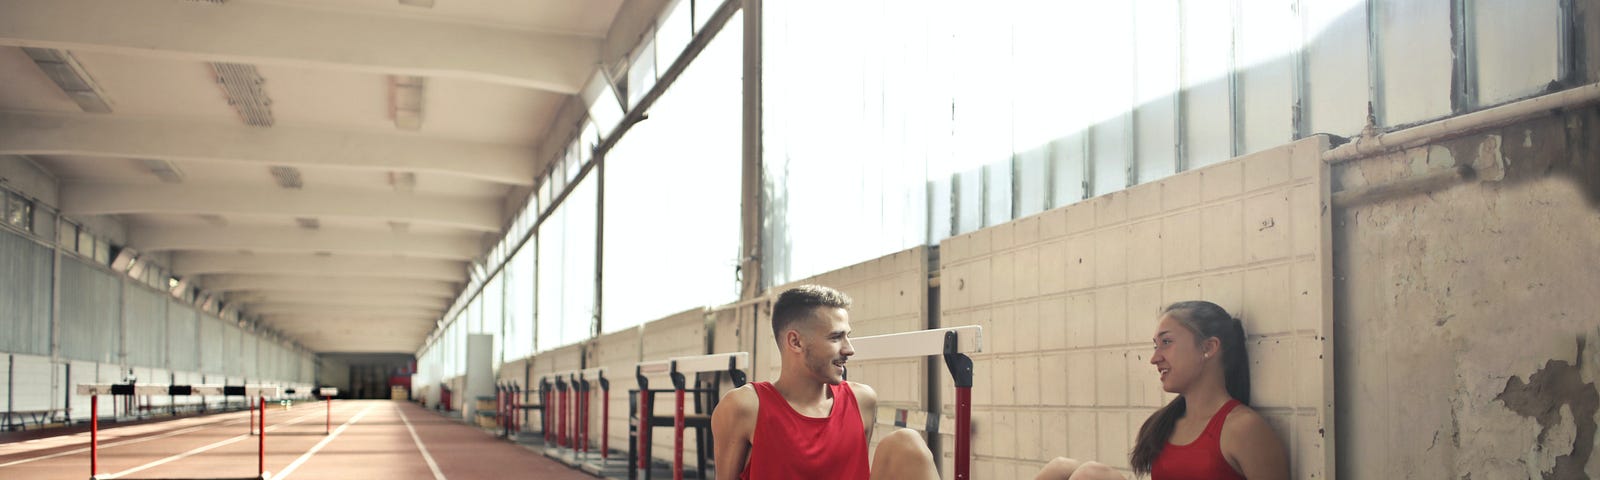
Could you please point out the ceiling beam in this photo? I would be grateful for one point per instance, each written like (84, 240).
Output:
(273, 34)
(344, 266)
(341, 285)
(273, 308)
(329, 298)
(291, 240)
(481, 215)
(33, 133)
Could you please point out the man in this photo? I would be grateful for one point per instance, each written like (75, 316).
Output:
(810, 423)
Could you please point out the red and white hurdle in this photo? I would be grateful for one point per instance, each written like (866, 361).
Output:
(258, 392)
(678, 369)
(951, 343)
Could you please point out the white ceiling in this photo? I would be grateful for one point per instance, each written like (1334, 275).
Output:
(399, 212)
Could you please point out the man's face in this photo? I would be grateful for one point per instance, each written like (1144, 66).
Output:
(825, 343)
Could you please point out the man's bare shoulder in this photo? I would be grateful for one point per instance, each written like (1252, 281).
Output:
(865, 394)
(738, 404)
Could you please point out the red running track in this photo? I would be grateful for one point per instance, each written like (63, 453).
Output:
(371, 440)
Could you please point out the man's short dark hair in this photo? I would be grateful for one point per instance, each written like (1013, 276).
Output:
(797, 304)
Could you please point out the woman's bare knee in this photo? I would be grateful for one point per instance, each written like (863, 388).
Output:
(1096, 471)
(1060, 468)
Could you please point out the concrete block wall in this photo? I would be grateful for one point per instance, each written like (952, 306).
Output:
(890, 295)
(1069, 300)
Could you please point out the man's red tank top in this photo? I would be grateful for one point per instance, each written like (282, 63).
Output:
(1200, 459)
(788, 445)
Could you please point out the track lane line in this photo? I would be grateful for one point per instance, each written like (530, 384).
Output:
(437, 475)
(318, 447)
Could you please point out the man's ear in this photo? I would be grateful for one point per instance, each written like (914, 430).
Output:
(791, 339)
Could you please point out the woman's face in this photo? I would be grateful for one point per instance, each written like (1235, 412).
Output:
(1178, 358)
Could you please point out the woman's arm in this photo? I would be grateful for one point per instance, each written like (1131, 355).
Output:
(1252, 447)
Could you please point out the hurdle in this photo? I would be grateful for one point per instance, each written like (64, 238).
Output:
(643, 419)
(951, 343)
(259, 392)
(562, 428)
(327, 397)
(603, 466)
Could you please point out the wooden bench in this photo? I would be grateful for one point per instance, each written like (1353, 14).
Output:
(19, 419)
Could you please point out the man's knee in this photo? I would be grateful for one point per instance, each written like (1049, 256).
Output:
(904, 441)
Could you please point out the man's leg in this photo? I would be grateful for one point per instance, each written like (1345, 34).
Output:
(903, 455)
(1063, 468)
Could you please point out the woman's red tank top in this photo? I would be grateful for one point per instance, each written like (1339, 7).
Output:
(788, 445)
(1200, 459)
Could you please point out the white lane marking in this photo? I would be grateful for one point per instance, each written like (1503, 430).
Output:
(118, 444)
(437, 475)
(315, 448)
(187, 454)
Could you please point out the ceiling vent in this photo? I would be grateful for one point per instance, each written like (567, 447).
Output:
(67, 73)
(162, 169)
(287, 177)
(308, 223)
(214, 219)
(404, 182)
(242, 84)
(399, 227)
(418, 3)
(405, 101)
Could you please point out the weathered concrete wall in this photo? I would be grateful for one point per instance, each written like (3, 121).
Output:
(1467, 316)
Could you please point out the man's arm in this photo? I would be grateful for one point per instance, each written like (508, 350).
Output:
(867, 401)
(732, 424)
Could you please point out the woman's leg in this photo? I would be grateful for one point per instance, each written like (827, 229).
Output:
(903, 455)
(1063, 468)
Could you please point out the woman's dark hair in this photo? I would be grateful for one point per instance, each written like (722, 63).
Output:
(1206, 320)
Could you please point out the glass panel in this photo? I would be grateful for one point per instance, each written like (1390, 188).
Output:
(1158, 80)
(641, 73)
(1414, 49)
(1206, 103)
(692, 232)
(1269, 36)
(1518, 47)
(1336, 66)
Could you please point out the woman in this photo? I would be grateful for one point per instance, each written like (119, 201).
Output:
(1209, 431)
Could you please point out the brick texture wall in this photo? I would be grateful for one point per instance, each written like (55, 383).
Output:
(1069, 299)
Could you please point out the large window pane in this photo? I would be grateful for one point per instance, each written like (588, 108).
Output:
(655, 225)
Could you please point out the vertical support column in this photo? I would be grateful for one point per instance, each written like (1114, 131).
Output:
(327, 425)
(750, 189)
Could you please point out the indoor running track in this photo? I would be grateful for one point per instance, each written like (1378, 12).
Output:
(371, 439)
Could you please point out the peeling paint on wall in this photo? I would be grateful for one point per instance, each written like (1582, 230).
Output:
(1565, 408)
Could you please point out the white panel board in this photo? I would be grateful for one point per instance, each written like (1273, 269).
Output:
(1337, 83)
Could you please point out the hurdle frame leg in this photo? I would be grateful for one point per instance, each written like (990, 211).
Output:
(261, 440)
(94, 436)
(678, 386)
(960, 366)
